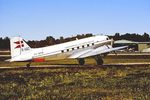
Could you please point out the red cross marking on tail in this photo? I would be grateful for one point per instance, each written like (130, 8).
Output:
(19, 44)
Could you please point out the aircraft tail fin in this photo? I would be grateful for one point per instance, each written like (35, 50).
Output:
(18, 46)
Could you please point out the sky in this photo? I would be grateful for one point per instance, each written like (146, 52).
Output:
(37, 19)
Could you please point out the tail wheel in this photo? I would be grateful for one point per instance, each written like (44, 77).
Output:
(99, 60)
(81, 61)
(27, 65)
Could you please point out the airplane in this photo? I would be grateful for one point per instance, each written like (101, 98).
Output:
(95, 47)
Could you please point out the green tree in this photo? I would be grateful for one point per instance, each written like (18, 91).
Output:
(50, 40)
(146, 37)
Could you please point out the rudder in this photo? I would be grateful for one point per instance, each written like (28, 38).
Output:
(18, 46)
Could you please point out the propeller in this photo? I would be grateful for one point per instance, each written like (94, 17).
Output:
(112, 43)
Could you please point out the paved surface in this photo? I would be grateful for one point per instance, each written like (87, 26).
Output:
(131, 53)
(76, 66)
(4, 55)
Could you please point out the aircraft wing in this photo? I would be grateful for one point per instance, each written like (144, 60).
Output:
(78, 54)
(97, 51)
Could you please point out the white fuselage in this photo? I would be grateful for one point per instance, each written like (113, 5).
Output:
(63, 50)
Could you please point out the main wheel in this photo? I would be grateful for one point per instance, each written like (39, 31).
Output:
(99, 60)
(81, 61)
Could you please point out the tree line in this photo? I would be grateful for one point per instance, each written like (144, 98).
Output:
(132, 37)
(5, 43)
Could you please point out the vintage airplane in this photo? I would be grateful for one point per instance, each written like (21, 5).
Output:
(96, 47)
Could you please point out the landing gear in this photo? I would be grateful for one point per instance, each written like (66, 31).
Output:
(28, 65)
(81, 61)
(99, 60)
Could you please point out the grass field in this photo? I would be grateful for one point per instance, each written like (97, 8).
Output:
(106, 83)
